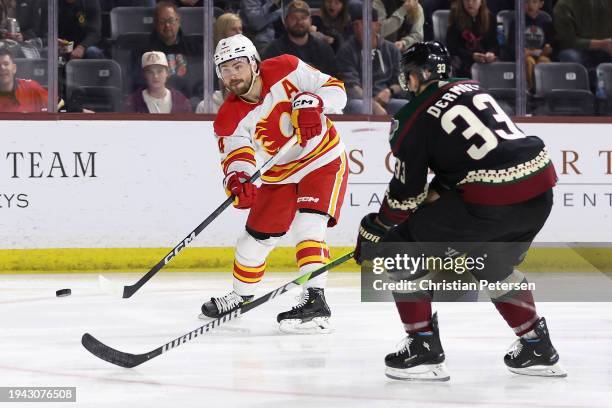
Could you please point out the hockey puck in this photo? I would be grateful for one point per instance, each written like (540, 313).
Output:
(63, 292)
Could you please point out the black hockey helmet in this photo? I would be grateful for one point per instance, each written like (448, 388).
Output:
(429, 60)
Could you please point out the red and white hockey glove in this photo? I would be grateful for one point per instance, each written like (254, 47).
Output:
(306, 116)
(237, 183)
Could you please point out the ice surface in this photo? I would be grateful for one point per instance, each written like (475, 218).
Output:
(248, 363)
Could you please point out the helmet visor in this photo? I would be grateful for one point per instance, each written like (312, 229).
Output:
(236, 67)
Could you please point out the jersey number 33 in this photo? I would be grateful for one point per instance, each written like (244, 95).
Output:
(477, 128)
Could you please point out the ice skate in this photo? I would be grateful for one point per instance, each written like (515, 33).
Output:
(218, 306)
(535, 357)
(311, 315)
(421, 357)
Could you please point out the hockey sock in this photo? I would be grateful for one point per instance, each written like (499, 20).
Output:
(246, 278)
(414, 311)
(518, 310)
(250, 260)
(311, 255)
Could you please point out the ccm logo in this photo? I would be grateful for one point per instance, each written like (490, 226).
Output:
(179, 247)
(307, 200)
(368, 235)
(305, 101)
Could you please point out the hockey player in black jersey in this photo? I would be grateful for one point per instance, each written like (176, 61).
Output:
(492, 184)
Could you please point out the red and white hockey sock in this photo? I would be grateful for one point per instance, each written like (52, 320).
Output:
(246, 278)
(311, 255)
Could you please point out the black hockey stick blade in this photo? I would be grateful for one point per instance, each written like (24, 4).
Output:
(129, 290)
(129, 360)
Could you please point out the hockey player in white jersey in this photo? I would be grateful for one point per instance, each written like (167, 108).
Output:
(269, 102)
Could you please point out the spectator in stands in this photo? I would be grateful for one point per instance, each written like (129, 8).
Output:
(334, 24)
(385, 69)
(79, 25)
(156, 97)
(584, 31)
(401, 21)
(259, 17)
(298, 41)
(26, 12)
(168, 38)
(18, 95)
(226, 25)
(538, 38)
(471, 35)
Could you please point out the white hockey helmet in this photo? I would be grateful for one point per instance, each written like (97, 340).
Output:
(233, 47)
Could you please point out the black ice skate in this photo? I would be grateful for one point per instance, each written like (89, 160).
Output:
(535, 356)
(311, 315)
(218, 306)
(421, 357)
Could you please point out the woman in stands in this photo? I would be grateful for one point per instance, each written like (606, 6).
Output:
(226, 25)
(471, 35)
(156, 97)
(334, 24)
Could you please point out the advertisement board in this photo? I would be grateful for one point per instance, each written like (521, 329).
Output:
(139, 184)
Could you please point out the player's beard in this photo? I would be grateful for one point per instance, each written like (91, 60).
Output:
(239, 87)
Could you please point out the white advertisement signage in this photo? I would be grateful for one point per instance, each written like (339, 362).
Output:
(95, 184)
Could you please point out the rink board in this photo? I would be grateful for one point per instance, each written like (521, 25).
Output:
(73, 260)
(106, 195)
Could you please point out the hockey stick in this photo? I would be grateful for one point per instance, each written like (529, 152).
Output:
(129, 290)
(129, 360)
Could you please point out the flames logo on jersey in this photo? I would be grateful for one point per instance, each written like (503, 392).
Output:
(273, 131)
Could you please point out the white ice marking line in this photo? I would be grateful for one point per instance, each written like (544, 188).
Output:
(301, 394)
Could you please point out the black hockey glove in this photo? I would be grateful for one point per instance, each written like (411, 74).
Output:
(369, 231)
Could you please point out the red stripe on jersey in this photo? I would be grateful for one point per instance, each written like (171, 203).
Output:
(246, 154)
(281, 172)
(509, 193)
(334, 82)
